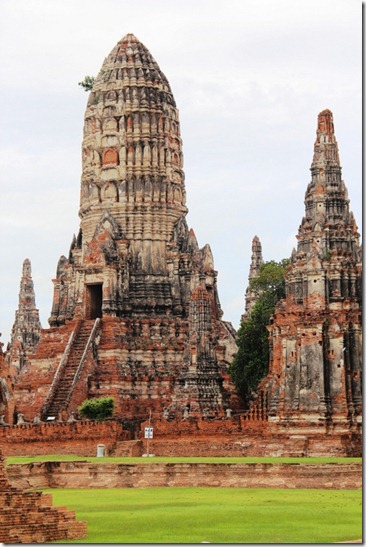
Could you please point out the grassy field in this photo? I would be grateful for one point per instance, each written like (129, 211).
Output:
(62, 457)
(220, 515)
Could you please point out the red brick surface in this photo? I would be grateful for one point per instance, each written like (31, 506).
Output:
(28, 517)
(192, 437)
(158, 475)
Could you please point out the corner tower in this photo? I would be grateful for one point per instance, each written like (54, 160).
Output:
(316, 335)
(255, 266)
(26, 329)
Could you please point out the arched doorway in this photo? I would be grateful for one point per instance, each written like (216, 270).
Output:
(94, 301)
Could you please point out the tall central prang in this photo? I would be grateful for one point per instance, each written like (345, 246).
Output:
(130, 257)
(135, 312)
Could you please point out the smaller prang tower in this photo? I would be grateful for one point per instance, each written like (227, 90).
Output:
(316, 334)
(255, 266)
(26, 329)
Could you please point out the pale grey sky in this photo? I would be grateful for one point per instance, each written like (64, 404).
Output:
(249, 79)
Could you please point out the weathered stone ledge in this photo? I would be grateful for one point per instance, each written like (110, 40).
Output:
(76, 474)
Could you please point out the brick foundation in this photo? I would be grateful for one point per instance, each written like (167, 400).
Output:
(192, 437)
(28, 517)
(157, 475)
(79, 438)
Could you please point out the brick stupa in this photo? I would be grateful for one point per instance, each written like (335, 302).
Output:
(254, 269)
(27, 326)
(315, 371)
(136, 313)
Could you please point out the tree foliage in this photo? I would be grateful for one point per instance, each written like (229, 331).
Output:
(251, 362)
(97, 409)
(87, 83)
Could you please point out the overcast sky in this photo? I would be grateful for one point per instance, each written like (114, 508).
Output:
(249, 79)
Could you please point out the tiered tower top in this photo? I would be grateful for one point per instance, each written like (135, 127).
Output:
(132, 142)
(328, 254)
(328, 224)
(134, 254)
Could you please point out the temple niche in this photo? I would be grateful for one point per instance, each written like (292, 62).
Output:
(315, 371)
(135, 312)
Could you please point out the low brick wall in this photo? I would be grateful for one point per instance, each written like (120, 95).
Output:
(80, 438)
(148, 475)
(194, 437)
(257, 444)
(238, 437)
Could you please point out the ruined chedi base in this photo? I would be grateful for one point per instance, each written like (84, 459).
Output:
(29, 517)
(136, 313)
(316, 336)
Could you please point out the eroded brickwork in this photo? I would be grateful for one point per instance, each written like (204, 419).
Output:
(27, 326)
(80, 438)
(6, 388)
(255, 264)
(315, 367)
(186, 475)
(136, 312)
(192, 436)
(29, 517)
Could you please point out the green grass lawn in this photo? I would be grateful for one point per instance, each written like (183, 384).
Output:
(215, 515)
(63, 457)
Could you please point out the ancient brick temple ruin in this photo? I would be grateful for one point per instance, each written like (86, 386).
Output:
(135, 313)
(29, 517)
(315, 336)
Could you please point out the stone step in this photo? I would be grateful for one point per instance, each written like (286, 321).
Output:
(77, 350)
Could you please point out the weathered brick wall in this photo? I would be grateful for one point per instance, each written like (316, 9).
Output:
(148, 475)
(79, 438)
(28, 517)
(238, 437)
(258, 446)
(193, 437)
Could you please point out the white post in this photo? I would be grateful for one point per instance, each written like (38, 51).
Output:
(148, 437)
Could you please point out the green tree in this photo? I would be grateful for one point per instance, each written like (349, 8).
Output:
(250, 364)
(97, 409)
(87, 83)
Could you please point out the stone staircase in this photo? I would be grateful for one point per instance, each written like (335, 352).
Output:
(62, 389)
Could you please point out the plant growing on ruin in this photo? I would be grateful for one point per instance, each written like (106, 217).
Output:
(251, 362)
(97, 409)
(87, 83)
